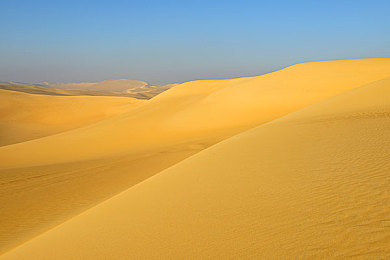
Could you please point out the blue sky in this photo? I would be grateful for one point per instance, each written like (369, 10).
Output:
(174, 41)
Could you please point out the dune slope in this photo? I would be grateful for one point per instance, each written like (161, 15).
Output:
(212, 109)
(34, 199)
(25, 116)
(313, 184)
(48, 180)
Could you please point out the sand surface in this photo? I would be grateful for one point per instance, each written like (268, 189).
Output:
(313, 183)
(183, 113)
(26, 116)
(135, 88)
(118, 85)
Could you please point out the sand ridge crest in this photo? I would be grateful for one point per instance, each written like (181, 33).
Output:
(185, 120)
(325, 200)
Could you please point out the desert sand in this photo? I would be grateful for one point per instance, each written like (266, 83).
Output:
(119, 85)
(302, 171)
(25, 116)
(134, 88)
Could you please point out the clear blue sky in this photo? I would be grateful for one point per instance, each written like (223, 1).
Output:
(175, 41)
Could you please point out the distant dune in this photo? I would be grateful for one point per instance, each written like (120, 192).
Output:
(136, 88)
(120, 87)
(314, 184)
(41, 90)
(183, 112)
(25, 116)
(310, 179)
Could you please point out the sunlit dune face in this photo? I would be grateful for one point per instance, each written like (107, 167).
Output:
(296, 166)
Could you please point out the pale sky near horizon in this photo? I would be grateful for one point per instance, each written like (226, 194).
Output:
(175, 41)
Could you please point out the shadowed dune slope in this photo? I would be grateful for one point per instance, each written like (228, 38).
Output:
(313, 184)
(34, 199)
(25, 116)
(213, 109)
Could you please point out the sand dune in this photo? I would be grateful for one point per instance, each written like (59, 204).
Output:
(48, 180)
(117, 85)
(25, 117)
(135, 88)
(183, 112)
(313, 184)
(34, 199)
(42, 90)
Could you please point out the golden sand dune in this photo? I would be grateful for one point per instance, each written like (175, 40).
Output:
(48, 180)
(25, 117)
(313, 184)
(203, 110)
(34, 199)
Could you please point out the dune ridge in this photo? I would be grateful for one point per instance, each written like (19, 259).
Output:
(183, 112)
(123, 150)
(279, 196)
(25, 116)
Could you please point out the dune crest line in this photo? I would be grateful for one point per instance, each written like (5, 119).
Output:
(60, 176)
